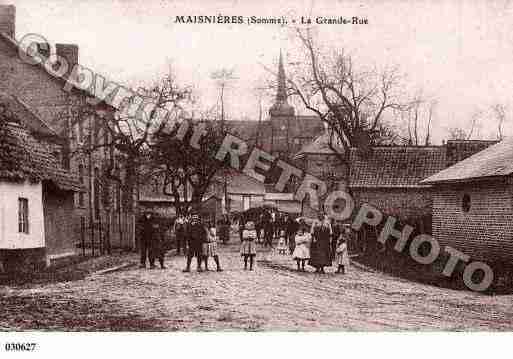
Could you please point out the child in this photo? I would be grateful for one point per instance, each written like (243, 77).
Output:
(342, 256)
(210, 248)
(282, 245)
(248, 247)
(302, 251)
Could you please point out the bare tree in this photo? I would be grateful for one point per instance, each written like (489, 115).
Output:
(417, 122)
(130, 132)
(499, 110)
(351, 101)
(183, 167)
(460, 133)
(223, 78)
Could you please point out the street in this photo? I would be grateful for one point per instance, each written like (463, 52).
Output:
(272, 297)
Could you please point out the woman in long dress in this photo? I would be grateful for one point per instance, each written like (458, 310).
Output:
(320, 249)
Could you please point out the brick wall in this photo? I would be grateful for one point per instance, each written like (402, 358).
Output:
(403, 203)
(45, 95)
(486, 230)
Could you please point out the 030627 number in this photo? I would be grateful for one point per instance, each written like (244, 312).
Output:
(20, 347)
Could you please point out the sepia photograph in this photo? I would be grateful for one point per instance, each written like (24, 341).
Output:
(238, 167)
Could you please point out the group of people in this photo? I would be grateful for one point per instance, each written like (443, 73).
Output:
(270, 224)
(194, 237)
(320, 245)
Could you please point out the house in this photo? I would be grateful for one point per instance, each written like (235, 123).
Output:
(473, 204)
(283, 202)
(323, 158)
(388, 179)
(103, 214)
(36, 192)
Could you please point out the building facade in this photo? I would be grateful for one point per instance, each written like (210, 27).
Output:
(101, 216)
(473, 204)
(36, 192)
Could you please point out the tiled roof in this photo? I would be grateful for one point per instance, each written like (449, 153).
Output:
(319, 146)
(24, 114)
(307, 127)
(395, 167)
(34, 161)
(49, 114)
(239, 183)
(495, 161)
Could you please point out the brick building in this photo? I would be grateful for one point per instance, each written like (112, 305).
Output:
(101, 215)
(473, 204)
(36, 192)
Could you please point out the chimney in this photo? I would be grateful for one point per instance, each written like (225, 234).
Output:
(68, 52)
(8, 20)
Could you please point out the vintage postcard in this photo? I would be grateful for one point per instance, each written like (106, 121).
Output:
(239, 166)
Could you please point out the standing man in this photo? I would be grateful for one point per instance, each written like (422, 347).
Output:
(258, 227)
(179, 229)
(156, 250)
(336, 231)
(145, 238)
(196, 236)
(291, 229)
(268, 229)
(224, 228)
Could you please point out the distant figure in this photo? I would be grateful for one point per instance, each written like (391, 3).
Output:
(302, 249)
(224, 229)
(210, 248)
(291, 227)
(248, 247)
(320, 249)
(146, 238)
(335, 235)
(157, 250)
(196, 236)
(242, 222)
(179, 229)
(258, 227)
(282, 247)
(342, 255)
(268, 229)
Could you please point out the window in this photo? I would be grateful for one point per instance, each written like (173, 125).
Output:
(96, 189)
(23, 218)
(81, 178)
(80, 130)
(246, 202)
(465, 202)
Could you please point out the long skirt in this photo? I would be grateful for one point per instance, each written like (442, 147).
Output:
(320, 255)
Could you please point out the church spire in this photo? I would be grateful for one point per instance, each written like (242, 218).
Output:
(281, 93)
(281, 107)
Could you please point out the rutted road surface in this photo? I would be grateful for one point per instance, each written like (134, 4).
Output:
(272, 297)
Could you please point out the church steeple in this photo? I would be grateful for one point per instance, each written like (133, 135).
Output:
(281, 107)
(281, 93)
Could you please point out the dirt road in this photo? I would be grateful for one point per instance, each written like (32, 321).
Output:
(272, 297)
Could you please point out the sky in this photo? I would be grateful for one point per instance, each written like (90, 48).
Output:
(460, 53)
